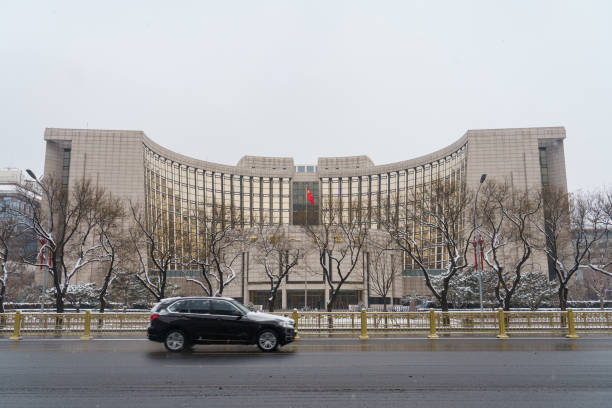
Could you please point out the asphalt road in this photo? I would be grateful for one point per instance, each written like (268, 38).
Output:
(339, 373)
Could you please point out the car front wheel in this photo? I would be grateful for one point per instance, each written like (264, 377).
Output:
(267, 340)
(176, 341)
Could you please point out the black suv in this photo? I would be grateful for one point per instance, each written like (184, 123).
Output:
(181, 322)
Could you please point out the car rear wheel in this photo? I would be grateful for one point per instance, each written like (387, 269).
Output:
(176, 341)
(267, 340)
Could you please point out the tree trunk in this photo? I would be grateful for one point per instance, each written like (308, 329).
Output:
(59, 295)
(563, 297)
(444, 302)
(385, 303)
(59, 302)
(330, 303)
(103, 291)
(102, 303)
(271, 301)
(601, 300)
(2, 294)
(507, 303)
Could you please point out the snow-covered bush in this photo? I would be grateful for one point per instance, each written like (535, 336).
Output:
(534, 289)
(83, 293)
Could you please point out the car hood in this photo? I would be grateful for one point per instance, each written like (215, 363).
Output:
(259, 317)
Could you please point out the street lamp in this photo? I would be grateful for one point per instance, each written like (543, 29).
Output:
(483, 177)
(44, 280)
(31, 174)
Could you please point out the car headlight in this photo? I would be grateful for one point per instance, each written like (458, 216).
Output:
(288, 323)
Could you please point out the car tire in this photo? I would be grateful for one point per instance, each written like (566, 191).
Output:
(176, 341)
(267, 340)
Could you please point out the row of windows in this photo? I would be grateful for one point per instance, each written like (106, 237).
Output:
(184, 197)
(14, 206)
(543, 164)
(66, 167)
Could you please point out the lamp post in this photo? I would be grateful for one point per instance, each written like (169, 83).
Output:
(479, 239)
(43, 242)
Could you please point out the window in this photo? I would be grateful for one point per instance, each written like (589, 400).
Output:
(221, 307)
(304, 213)
(66, 167)
(543, 165)
(179, 307)
(201, 306)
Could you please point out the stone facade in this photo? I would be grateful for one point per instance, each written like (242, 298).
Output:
(132, 166)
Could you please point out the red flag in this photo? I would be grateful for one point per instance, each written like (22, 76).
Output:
(309, 197)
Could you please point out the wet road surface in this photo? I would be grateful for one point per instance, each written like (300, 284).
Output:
(483, 372)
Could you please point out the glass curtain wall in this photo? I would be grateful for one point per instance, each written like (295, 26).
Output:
(181, 197)
(303, 212)
(397, 192)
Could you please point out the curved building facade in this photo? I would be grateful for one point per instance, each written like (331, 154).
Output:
(182, 191)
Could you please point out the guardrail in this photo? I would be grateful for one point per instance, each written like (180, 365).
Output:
(432, 323)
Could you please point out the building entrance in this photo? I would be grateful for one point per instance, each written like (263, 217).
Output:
(315, 299)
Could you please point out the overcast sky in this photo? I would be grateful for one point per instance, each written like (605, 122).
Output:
(217, 80)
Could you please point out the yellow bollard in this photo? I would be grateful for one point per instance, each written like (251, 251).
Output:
(17, 328)
(87, 333)
(570, 325)
(502, 324)
(295, 319)
(432, 325)
(364, 325)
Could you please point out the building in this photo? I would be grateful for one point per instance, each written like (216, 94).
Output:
(13, 205)
(180, 189)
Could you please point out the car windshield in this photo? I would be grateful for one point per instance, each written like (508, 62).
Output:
(240, 306)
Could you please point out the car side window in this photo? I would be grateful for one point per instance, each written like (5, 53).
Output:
(221, 307)
(200, 306)
(179, 307)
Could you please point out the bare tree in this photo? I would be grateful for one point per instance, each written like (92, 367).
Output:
(65, 223)
(387, 265)
(115, 248)
(597, 283)
(8, 235)
(432, 220)
(221, 241)
(572, 225)
(154, 251)
(506, 217)
(278, 255)
(598, 276)
(599, 258)
(339, 239)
